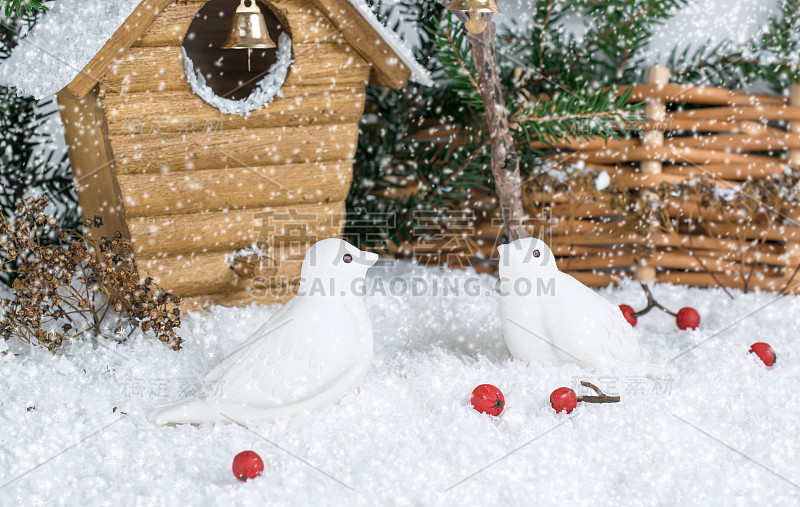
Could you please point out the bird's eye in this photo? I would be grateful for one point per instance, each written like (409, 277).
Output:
(347, 258)
(537, 253)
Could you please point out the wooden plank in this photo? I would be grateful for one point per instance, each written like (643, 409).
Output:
(235, 188)
(159, 69)
(662, 153)
(613, 240)
(164, 153)
(730, 171)
(628, 178)
(588, 227)
(738, 143)
(183, 111)
(141, 18)
(574, 143)
(388, 69)
(583, 210)
(159, 236)
(705, 95)
(755, 231)
(769, 283)
(305, 22)
(758, 113)
(92, 162)
(678, 260)
(170, 27)
(701, 241)
(258, 295)
(203, 274)
(596, 262)
(582, 251)
(596, 279)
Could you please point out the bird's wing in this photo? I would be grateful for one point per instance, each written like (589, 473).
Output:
(275, 321)
(291, 362)
(588, 327)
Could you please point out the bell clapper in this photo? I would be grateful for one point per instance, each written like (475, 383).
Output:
(249, 52)
(475, 24)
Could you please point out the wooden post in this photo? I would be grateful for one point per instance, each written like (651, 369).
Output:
(793, 156)
(657, 111)
(86, 134)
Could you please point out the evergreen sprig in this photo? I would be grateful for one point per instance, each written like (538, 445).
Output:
(577, 115)
(454, 55)
(772, 56)
(22, 7)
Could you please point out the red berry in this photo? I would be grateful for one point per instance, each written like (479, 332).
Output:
(564, 399)
(487, 399)
(247, 465)
(628, 312)
(764, 352)
(687, 318)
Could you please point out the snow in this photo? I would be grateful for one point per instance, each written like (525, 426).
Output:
(253, 249)
(408, 435)
(62, 43)
(65, 40)
(419, 74)
(266, 89)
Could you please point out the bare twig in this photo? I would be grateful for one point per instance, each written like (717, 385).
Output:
(651, 303)
(505, 161)
(601, 396)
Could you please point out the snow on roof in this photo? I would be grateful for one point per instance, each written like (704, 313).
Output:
(66, 39)
(419, 74)
(62, 43)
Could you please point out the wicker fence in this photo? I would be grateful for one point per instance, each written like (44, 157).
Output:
(708, 194)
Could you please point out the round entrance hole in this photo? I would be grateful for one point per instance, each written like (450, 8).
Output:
(225, 70)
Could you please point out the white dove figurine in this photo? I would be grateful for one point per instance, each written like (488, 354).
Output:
(305, 357)
(549, 316)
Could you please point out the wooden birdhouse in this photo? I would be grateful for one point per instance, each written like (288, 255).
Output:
(196, 151)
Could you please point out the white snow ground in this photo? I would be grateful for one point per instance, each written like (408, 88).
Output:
(722, 432)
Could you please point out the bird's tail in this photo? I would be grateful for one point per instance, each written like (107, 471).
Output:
(192, 411)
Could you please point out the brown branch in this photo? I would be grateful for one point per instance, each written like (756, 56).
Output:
(601, 396)
(505, 161)
(651, 303)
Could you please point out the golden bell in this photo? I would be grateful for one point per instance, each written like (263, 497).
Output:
(475, 24)
(249, 29)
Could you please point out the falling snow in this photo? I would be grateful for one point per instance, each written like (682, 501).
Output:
(62, 43)
(408, 434)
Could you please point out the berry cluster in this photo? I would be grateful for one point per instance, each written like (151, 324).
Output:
(685, 318)
(488, 399)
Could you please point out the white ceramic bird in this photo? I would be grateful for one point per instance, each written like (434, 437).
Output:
(549, 316)
(305, 357)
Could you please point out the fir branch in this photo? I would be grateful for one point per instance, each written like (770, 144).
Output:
(578, 115)
(22, 7)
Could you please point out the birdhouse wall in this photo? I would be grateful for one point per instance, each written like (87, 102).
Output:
(193, 181)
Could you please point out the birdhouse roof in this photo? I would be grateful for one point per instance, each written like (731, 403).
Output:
(73, 45)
